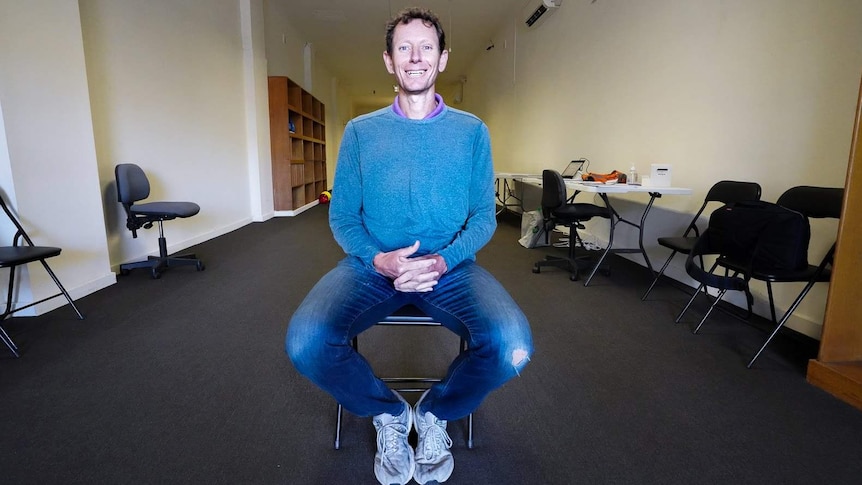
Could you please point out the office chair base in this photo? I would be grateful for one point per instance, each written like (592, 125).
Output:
(570, 265)
(557, 262)
(159, 264)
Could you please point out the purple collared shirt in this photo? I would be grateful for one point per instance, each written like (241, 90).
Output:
(432, 114)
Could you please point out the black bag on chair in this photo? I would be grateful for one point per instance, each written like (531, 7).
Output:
(760, 234)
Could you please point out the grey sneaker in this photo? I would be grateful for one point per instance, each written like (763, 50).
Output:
(394, 461)
(434, 462)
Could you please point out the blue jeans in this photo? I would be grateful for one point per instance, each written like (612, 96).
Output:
(353, 297)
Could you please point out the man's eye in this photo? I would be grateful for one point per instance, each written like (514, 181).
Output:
(428, 47)
(404, 48)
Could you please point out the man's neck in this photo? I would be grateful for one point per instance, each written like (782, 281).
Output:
(417, 106)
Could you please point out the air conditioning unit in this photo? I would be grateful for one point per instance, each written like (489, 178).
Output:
(537, 11)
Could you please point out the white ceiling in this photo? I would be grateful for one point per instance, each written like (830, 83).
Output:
(348, 37)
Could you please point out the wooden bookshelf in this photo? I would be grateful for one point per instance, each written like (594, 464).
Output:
(838, 367)
(298, 138)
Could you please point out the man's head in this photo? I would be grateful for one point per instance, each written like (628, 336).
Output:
(415, 51)
(405, 16)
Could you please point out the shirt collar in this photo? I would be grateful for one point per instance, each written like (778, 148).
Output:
(437, 110)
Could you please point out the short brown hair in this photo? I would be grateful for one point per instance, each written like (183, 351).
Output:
(405, 16)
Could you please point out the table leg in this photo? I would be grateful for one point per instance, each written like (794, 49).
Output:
(616, 218)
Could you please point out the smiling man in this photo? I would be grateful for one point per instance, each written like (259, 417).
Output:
(413, 202)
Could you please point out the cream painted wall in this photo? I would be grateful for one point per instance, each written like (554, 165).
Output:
(761, 91)
(167, 90)
(256, 109)
(50, 170)
(285, 56)
(178, 87)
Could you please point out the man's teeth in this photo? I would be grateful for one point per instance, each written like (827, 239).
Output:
(415, 73)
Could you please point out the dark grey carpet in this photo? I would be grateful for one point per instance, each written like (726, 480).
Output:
(184, 380)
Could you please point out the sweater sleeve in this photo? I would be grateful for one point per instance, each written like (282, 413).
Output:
(481, 219)
(345, 210)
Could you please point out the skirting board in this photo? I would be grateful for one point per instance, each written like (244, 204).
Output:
(296, 212)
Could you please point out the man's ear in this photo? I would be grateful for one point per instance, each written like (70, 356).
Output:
(444, 59)
(388, 61)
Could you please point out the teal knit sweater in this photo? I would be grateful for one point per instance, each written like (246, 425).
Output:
(400, 180)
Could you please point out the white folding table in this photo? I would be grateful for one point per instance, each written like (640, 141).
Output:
(603, 190)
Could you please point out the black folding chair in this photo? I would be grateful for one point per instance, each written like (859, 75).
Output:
(812, 202)
(19, 254)
(725, 192)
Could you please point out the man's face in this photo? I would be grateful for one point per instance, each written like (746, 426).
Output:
(416, 58)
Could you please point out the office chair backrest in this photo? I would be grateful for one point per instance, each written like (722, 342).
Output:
(132, 184)
(818, 202)
(553, 190)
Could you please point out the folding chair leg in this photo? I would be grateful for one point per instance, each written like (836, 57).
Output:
(784, 319)
(687, 305)
(8, 341)
(62, 289)
(711, 307)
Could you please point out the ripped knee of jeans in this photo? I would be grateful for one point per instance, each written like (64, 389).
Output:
(520, 358)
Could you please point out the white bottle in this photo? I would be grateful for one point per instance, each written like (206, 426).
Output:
(633, 176)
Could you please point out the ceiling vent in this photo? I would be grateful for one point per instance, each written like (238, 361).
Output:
(537, 11)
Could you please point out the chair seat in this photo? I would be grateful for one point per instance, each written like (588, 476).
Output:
(781, 276)
(15, 255)
(171, 209)
(682, 245)
(581, 212)
(408, 315)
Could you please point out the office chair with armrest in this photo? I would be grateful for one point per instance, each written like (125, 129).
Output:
(725, 192)
(812, 202)
(557, 210)
(21, 253)
(133, 186)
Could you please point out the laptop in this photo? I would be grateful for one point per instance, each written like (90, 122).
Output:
(573, 170)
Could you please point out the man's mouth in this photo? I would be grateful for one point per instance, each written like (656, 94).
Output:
(415, 73)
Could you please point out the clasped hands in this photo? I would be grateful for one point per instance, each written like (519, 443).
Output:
(410, 274)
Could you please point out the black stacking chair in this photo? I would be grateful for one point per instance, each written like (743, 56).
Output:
(406, 316)
(557, 210)
(133, 186)
(724, 192)
(812, 202)
(21, 252)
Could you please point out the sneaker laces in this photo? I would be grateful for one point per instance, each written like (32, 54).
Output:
(436, 439)
(391, 437)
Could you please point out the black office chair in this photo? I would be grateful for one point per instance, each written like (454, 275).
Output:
(812, 202)
(557, 210)
(19, 254)
(725, 192)
(133, 186)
